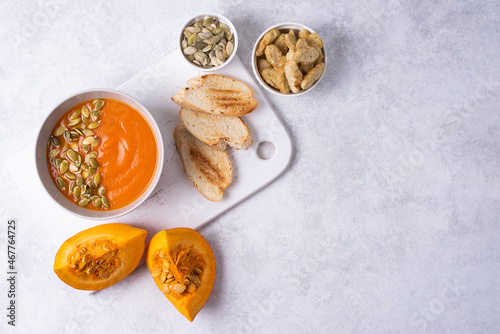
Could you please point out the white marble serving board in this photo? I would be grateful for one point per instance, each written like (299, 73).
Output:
(174, 202)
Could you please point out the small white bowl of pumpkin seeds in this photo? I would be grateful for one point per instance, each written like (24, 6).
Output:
(208, 42)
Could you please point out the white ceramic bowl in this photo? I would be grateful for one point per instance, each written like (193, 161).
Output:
(41, 153)
(221, 19)
(283, 27)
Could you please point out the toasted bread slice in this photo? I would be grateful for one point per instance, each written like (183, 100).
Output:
(217, 94)
(217, 131)
(209, 170)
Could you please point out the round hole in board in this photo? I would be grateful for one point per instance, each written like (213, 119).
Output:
(266, 150)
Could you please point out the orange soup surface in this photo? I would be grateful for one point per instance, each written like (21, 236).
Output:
(104, 161)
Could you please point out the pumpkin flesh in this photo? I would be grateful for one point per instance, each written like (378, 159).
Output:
(99, 257)
(183, 267)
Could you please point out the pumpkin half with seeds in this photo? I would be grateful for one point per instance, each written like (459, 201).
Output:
(99, 257)
(183, 267)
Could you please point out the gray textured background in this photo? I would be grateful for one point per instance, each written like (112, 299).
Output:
(386, 221)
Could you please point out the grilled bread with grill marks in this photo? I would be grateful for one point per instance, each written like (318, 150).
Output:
(217, 131)
(209, 170)
(218, 95)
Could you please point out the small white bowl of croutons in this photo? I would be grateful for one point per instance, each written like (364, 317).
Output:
(289, 59)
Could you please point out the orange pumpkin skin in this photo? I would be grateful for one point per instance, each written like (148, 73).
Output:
(187, 303)
(118, 248)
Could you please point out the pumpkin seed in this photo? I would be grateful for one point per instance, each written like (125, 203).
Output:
(63, 167)
(101, 191)
(184, 44)
(74, 169)
(91, 170)
(94, 125)
(72, 155)
(189, 50)
(74, 122)
(74, 114)
(72, 186)
(85, 167)
(85, 120)
(69, 176)
(83, 202)
(85, 112)
(95, 142)
(61, 183)
(80, 133)
(213, 40)
(94, 197)
(216, 31)
(87, 132)
(87, 140)
(86, 148)
(193, 30)
(91, 155)
(54, 153)
(98, 203)
(208, 21)
(98, 104)
(58, 162)
(93, 162)
(90, 184)
(229, 48)
(205, 35)
(191, 40)
(77, 192)
(55, 141)
(97, 178)
(95, 115)
(59, 131)
(105, 201)
(79, 180)
(177, 288)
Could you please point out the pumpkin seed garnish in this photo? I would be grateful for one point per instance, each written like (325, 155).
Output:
(93, 162)
(72, 155)
(85, 112)
(69, 176)
(94, 125)
(97, 178)
(87, 132)
(63, 167)
(83, 202)
(55, 141)
(91, 170)
(86, 148)
(59, 131)
(95, 142)
(98, 104)
(60, 183)
(74, 122)
(74, 169)
(95, 115)
(98, 203)
(101, 191)
(54, 153)
(87, 140)
(79, 180)
(74, 114)
(77, 191)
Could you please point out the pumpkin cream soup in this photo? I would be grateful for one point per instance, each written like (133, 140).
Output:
(102, 154)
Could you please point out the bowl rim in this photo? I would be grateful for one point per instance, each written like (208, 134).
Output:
(41, 162)
(222, 19)
(280, 26)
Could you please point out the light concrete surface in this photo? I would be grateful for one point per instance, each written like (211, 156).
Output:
(385, 222)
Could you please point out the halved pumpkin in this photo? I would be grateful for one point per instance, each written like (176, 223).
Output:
(99, 257)
(183, 267)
